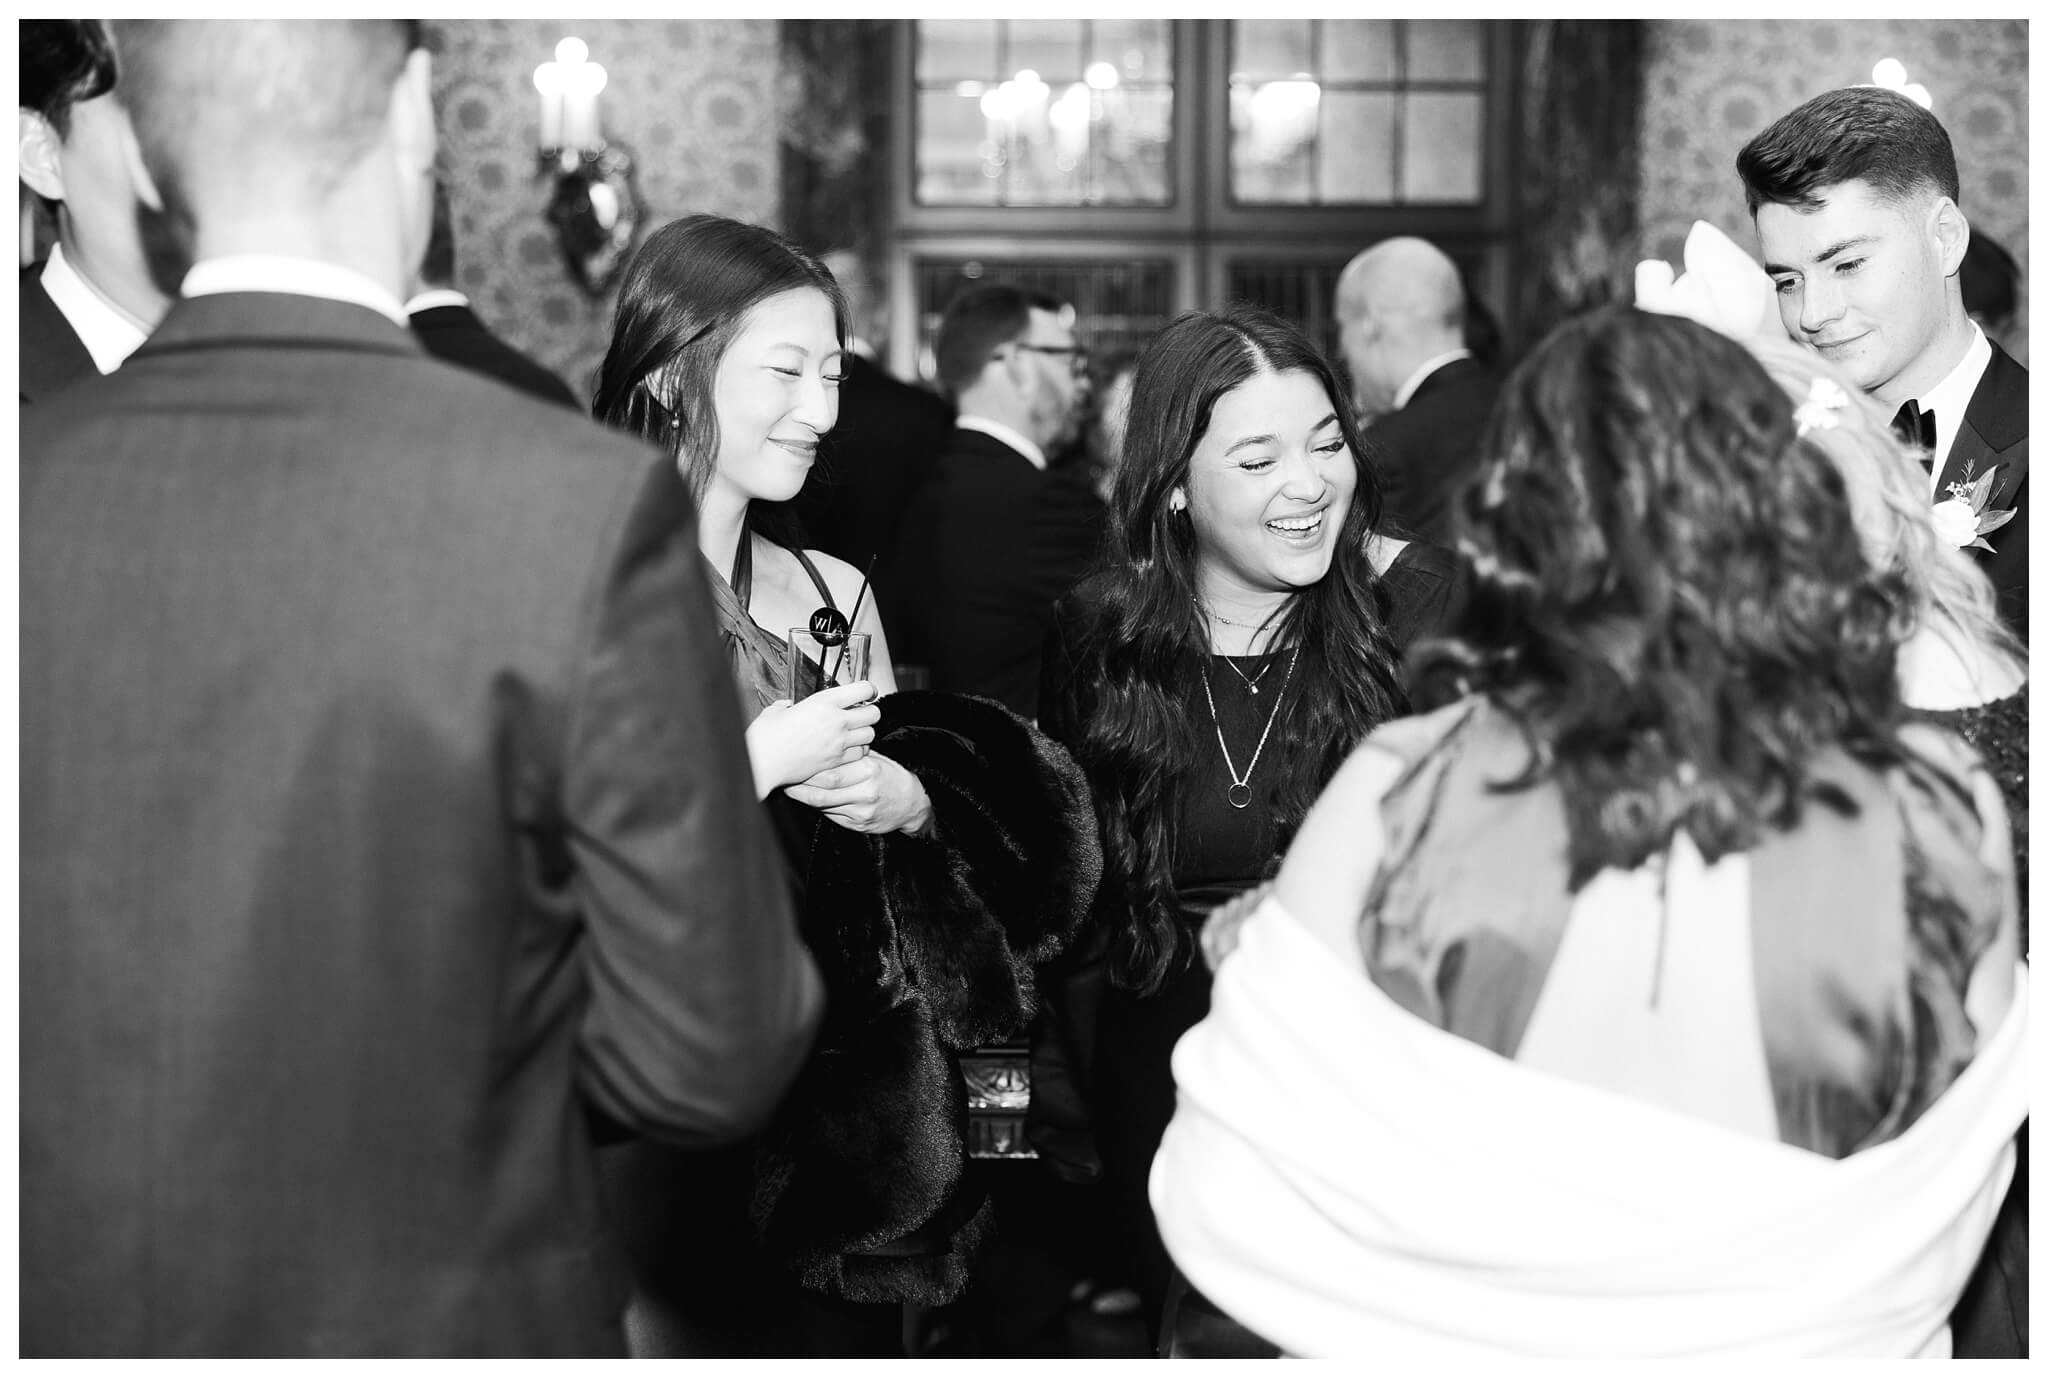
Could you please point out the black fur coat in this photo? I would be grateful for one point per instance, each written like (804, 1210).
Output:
(927, 946)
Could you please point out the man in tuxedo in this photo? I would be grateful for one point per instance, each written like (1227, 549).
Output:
(1855, 198)
(87, 306)
(1401, 314)
(981, 562)
(882, 450)
(384, 799)
(449, 329)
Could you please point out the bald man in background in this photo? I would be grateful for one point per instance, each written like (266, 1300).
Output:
(1401, 312)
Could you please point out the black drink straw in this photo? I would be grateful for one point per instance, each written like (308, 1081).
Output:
(868, 574)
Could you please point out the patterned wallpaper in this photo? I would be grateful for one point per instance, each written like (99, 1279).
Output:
(1712, 84)
(693, 100)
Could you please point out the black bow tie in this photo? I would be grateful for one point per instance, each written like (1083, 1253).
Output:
(1916, 427)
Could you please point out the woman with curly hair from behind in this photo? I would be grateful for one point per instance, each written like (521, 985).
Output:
(1657, 991)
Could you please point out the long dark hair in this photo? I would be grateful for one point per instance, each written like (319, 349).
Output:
(1668, 593)
(1137, 736)
(685, 295)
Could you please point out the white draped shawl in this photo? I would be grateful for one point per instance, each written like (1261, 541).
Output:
(1350, 1181)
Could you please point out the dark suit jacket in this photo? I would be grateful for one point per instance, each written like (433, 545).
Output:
(454, 333)
(1424, 451)
(382, 786)
(986, 552)
(1990, 1319)
(1994, 431)
(52, 355)
(881, 451)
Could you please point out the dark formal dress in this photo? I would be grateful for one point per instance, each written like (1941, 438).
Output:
(1424, 451)
(1122, 1040)
(52, 355)
(880, 452)
(1990, 1321)
(1994, 432)
(383, 802)
(983, 559)
(456, 334)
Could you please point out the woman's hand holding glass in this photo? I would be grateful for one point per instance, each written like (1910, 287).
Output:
(869, 795)
(790, 743)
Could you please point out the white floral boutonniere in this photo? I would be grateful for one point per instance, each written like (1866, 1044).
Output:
(1963, 519)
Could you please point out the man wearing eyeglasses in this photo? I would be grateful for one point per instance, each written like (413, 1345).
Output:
(978, 565)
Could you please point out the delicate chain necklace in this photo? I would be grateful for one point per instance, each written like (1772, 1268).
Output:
(1240, 792)
(1216, 616)
(1251, 682)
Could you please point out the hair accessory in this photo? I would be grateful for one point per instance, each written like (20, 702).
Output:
(1825, 400)
(1722, 288)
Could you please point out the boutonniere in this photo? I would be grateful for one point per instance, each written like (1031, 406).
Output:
(1963, 517)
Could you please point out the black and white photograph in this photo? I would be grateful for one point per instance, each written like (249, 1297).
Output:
(965, 688)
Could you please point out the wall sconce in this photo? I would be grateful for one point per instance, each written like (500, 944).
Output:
(593, 209)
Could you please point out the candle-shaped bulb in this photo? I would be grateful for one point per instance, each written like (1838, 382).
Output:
(547, 79)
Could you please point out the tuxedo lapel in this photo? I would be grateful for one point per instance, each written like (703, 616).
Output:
(1994, 435)
(1994, 432)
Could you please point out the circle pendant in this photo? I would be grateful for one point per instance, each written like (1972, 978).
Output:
(1239, 796)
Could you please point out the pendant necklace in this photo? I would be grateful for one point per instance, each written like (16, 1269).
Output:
(1251, 682)
(1240, 792)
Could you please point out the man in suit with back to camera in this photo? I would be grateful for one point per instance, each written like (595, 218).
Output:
(1855, 198)
(1401, 314)
(87, 306)
(449, 328)
(981, 561)
(384, 796)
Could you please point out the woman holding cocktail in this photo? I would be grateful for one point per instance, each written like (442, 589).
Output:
(938, 845)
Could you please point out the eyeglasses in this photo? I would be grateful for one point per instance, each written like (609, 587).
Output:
(1077, 355)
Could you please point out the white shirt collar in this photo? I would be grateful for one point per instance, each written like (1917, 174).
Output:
(108, 333)
(298, 277)
(433, 297)
(1950, 398)
(968, 421)
(1406, 392)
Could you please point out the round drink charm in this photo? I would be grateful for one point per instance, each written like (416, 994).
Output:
(829, 626)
